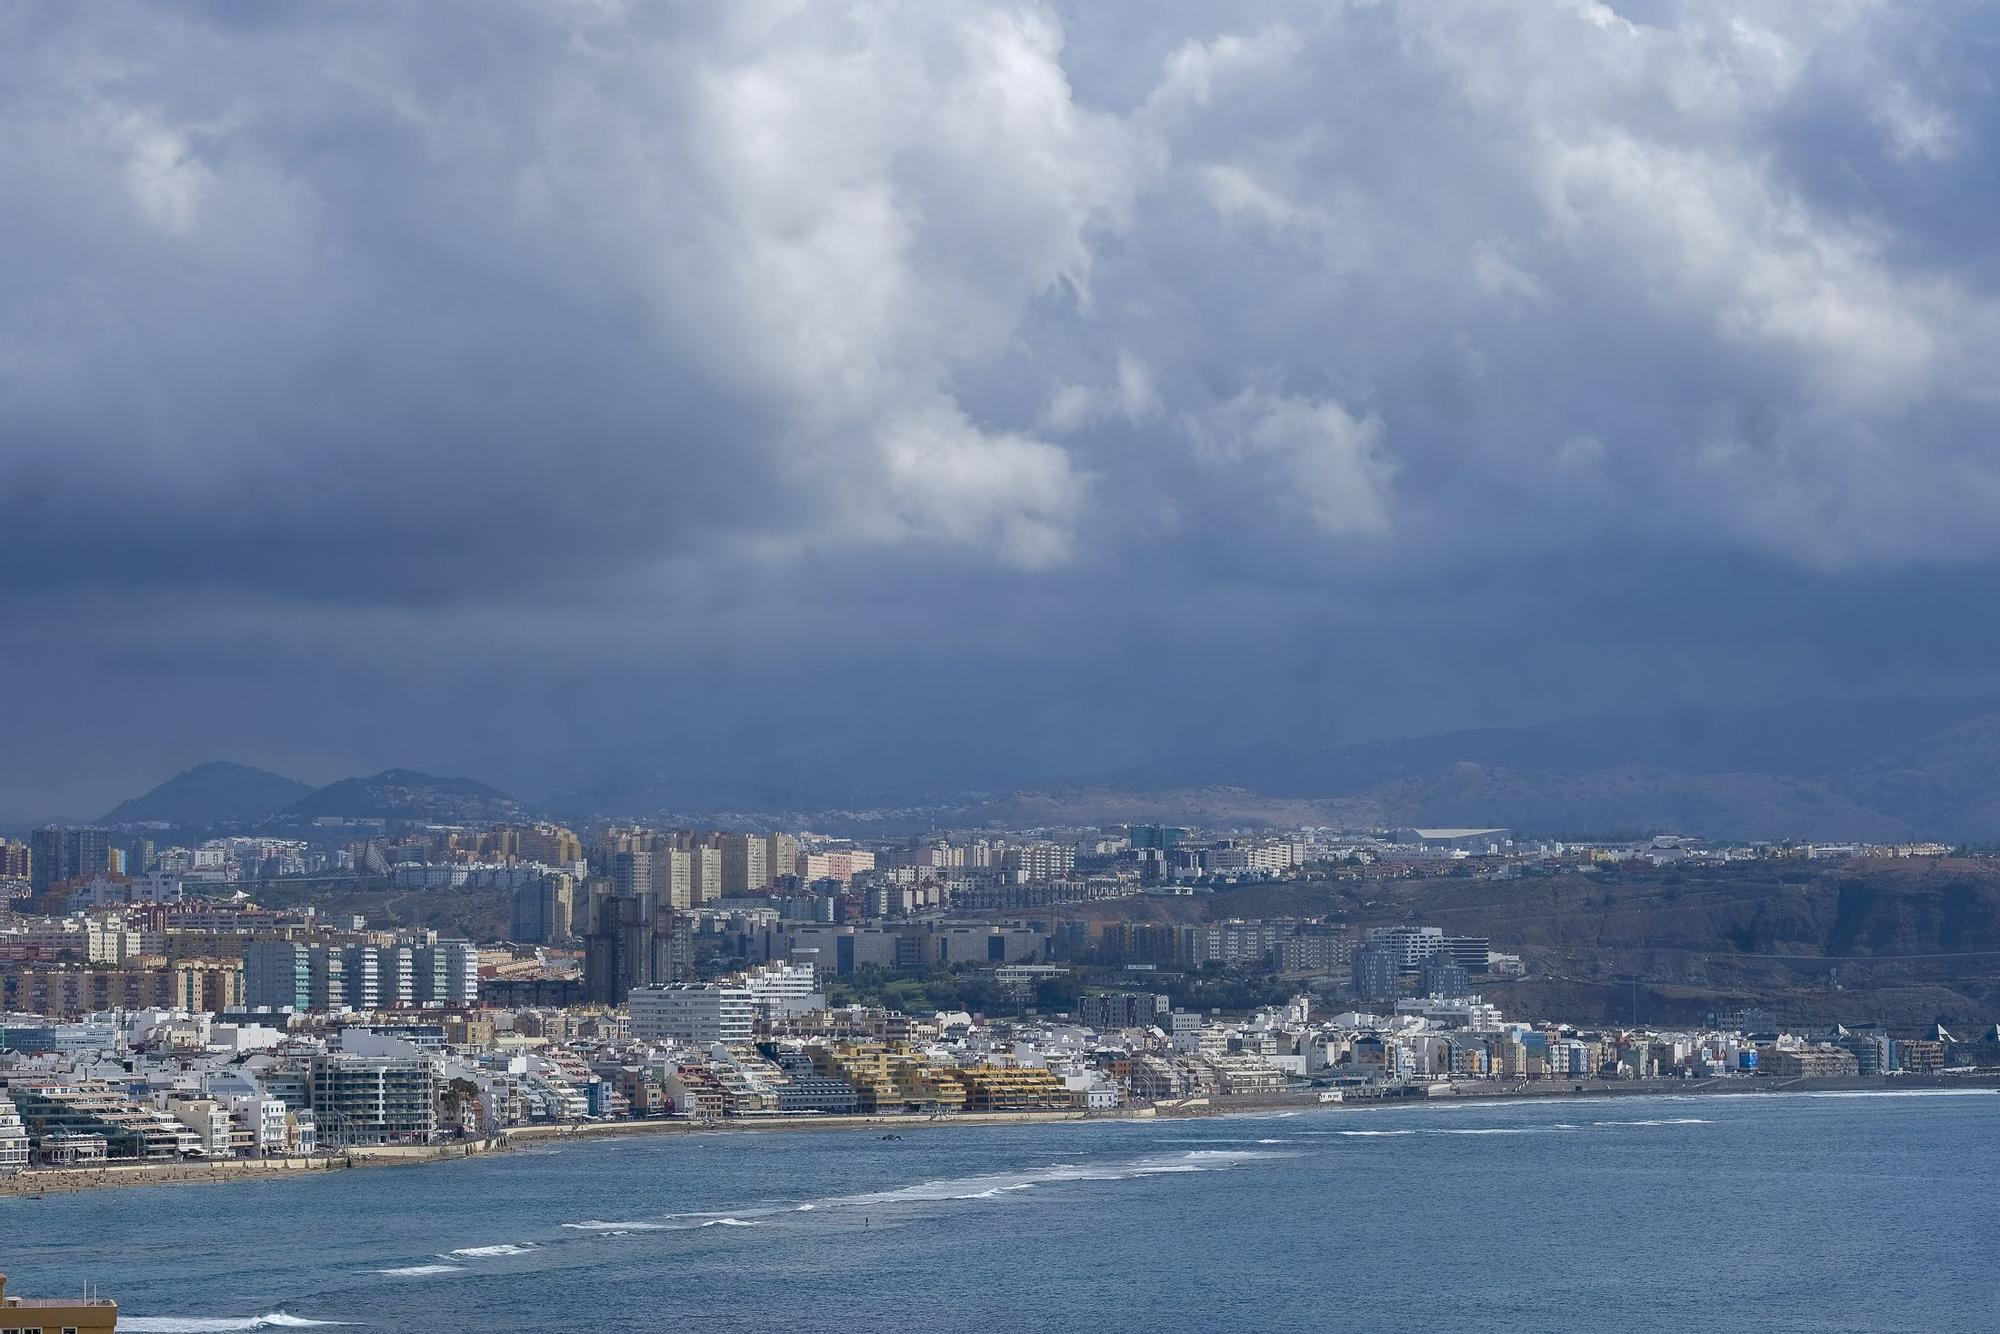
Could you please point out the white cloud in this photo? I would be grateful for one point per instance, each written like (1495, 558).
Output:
(1132, 397)
(1236, 191)
(1499, 276)
(1010, 495)
(1312, 458)
(166, 180)
(890, 277)
(1198, 70)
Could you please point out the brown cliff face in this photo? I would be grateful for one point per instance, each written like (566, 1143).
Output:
(1905, 942)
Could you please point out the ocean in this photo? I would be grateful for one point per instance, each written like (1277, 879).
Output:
(1768, 1212)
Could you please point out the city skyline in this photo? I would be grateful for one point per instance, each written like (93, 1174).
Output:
(1309, 663)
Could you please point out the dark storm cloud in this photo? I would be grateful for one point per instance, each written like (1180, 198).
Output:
(532, 387)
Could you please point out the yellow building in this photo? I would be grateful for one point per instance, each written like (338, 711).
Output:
(39, 1316)
(890, 1078)
(928, 1087)
(994, 1088)
(866, 1066)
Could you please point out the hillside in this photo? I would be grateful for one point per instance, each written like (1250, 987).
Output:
(405, 794)
(1805, 740)
(1902, 942)
(1878, 770)
(211, 793)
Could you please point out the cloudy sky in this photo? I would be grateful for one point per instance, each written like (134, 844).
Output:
(976, 391)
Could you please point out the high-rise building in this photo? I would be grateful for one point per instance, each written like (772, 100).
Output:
(61, 854)
(1039, 861)
(840, 864)
(277, 974)
(327, 968)
(292, 975)
(781, 856)
(673, 879)
(1440, 975)
(361, 977)
(1378, 972)
(744, 868)
(16, 861)
(633, 941)
(373, 1099)
(551, 845)
(704, 874)
(447, 973)
(631, 873)
(1165, 837)
(396, 976)
(697, 1014)
(543, 910)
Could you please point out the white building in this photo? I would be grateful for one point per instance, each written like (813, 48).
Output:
(697, 1014)
(1237, 855)
(13, 1138)
(781, 990)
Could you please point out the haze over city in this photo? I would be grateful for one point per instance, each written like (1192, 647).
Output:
(975, 394)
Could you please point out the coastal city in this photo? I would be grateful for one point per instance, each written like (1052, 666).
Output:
(999, 667)
(158, 1016)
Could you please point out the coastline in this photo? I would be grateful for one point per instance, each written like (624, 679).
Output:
(33, 1182)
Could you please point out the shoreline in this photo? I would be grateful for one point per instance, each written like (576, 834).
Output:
(31, 1183)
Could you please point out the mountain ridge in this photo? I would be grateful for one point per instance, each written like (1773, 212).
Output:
(1882, 770)
(215, 792)
(408, 794)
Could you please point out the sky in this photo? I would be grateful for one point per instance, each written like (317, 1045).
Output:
(976, 392)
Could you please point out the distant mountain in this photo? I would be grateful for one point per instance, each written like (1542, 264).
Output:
(211, 793)
(1870, 769)
(1950, 779)
(405, 794)
(646, 795)
(1807, 740)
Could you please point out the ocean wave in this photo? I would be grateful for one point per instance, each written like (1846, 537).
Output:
(421, 1271)
(195, 1324)
(1661, 1121)
(995, 1192)
(1217, 1139)
(983, 1187)
(485, 1252)
(1891, 1093)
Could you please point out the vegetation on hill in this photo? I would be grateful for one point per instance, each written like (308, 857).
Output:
(405, 794)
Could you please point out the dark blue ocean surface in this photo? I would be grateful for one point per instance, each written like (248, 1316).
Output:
(1752, 1213)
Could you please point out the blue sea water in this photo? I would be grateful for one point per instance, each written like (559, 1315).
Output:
(1753, 1213)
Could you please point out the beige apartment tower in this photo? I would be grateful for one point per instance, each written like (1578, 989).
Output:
(744, 868)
